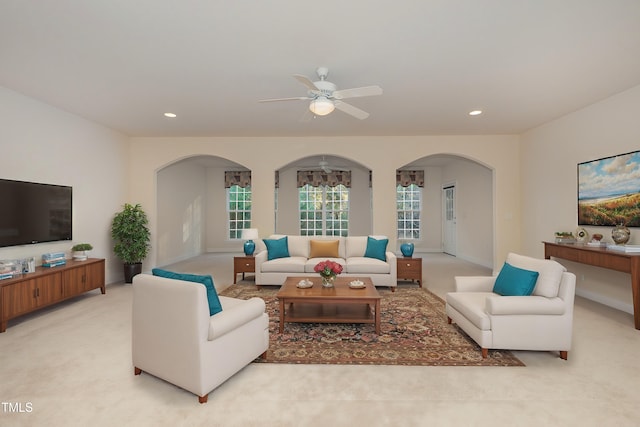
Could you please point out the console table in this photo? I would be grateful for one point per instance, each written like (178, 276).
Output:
(605, 258)
(32, 291)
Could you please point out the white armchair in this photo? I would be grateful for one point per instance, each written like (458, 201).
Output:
(541, 321)
(174, 337)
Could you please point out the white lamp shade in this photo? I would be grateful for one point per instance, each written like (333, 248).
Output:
(321, 106)
(250, 234)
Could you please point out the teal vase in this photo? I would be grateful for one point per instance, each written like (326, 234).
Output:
(407, 250)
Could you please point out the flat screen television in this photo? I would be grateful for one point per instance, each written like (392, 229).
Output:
(609, 191)
(34, 213)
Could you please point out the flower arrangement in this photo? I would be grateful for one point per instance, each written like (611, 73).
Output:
(328, 270)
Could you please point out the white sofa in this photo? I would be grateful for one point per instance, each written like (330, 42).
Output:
(351, 251)
(541, 321)
(175, 338)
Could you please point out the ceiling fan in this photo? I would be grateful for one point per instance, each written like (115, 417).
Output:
(324, 97)
(325, 166)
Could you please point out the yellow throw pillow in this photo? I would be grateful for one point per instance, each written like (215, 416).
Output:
(324, 248)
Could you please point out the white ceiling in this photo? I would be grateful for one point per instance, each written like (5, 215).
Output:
(123, 63)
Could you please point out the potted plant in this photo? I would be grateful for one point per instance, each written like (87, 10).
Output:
(80, 251)
(131, 236)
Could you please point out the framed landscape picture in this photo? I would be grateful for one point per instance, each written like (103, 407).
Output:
(609, 191)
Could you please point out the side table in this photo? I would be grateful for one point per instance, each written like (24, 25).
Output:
(410, 268)
(243, 264)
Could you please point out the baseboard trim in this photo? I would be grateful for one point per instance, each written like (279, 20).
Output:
(609, 302)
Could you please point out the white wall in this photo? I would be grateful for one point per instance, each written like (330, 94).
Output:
(181, 209)
(40, 143)
(263, 156)
(550, 154)
(474, 209)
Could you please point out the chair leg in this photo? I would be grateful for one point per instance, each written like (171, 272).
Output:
(564, 354)
(263, 355)
(449, 320)
(393, 288)
(136, 371)
(203, 399)
(485, 353)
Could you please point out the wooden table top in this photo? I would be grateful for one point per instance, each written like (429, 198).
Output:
(340, 290)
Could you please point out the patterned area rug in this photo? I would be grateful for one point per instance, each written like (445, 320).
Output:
(414, 331)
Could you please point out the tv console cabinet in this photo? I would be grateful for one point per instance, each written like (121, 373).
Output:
(46, 286)
(605, 258)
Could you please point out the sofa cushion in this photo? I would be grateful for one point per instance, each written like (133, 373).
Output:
(376, 248)
(514, 281)
(237, 312)
(277, 248)
(363, 265)
(298, 246)
(207, 281)
(294, 264)
(550, 272)
(324, 248)
(355, 246)
(471, 305)
(310, 265)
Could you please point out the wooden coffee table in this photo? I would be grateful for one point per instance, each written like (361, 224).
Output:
(339, 304)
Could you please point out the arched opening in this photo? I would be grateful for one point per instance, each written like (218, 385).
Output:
(288, 216)
(455, 213)
(191, 208)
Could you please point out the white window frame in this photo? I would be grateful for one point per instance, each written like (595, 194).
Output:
(322, 215)
(409, 212)
(242, 215)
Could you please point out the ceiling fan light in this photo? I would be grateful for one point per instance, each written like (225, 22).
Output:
(321, 106)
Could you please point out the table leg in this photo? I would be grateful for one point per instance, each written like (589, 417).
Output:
(377, 318)
(281, 315)
(635, 290)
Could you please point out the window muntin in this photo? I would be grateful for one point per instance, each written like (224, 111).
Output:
(324, 210)
(408, 202)
(239, 210)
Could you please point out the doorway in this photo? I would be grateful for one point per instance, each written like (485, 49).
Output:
(449, 231)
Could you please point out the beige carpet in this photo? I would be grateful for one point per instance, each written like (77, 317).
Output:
(414, 331)
(73, 363)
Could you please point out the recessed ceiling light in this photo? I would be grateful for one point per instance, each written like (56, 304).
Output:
(172, 115)
(475, 112)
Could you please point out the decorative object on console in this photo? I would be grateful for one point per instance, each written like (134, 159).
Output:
(565, 237)
(620, 234)
(582, 235)
(80, 251)
(249, 234)
(131, 236)
(53, 259)
(9, 268)
(328, 271)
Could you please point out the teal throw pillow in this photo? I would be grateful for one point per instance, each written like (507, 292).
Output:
(514, 281)
(207, 281)
(277, 248)
(376, 248)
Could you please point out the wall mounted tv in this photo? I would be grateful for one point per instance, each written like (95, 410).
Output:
(34, 213)
(609, 191)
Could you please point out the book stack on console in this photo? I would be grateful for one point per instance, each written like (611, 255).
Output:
(8, 269)
(53, 259)
(630, 249)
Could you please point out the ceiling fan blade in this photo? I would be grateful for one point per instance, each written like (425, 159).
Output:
(305, 81)
(296, 98)
(351, 110)
(357, 92)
